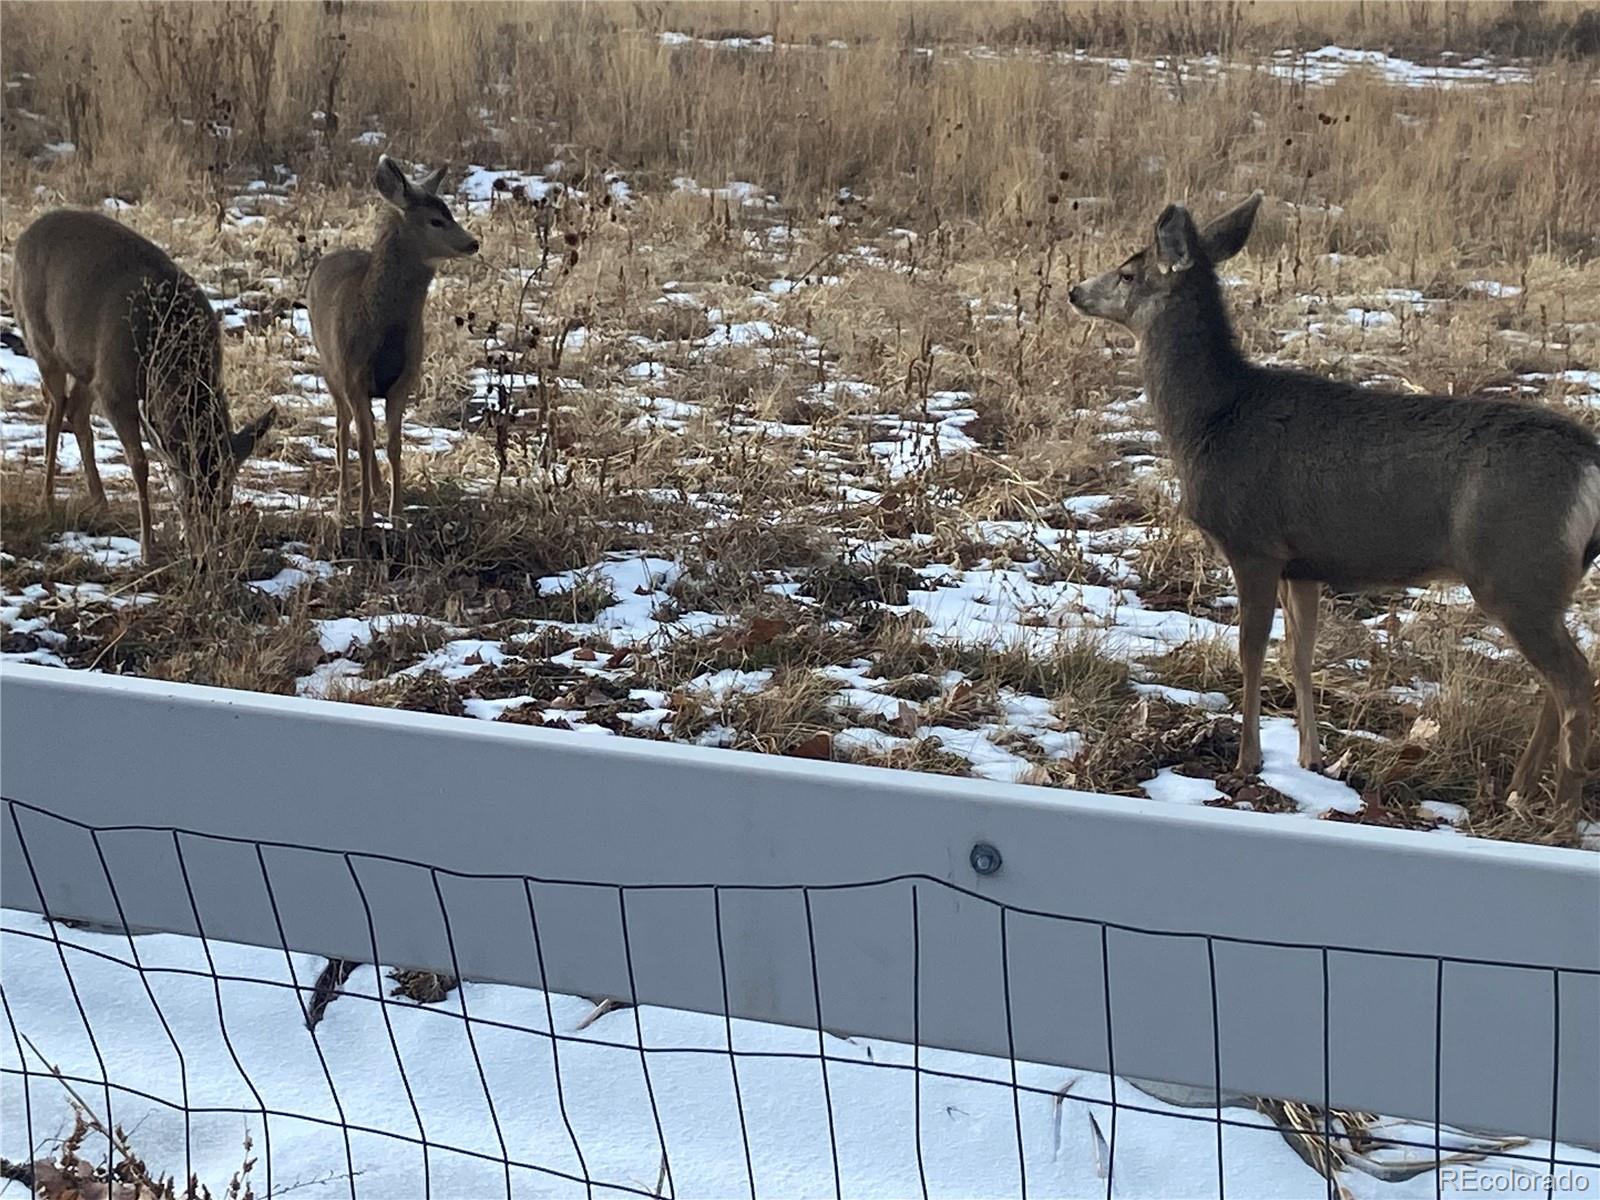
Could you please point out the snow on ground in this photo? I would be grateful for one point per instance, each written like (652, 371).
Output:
(1331, 63)
(18, 369)
(300, 571)
(737, 191)
(1004, 607)
(258, 1055)
(995, 604)
(479, 187)
(1319, 68)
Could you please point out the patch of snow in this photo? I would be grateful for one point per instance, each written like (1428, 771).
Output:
(1331, 63)
(1209, 701)
(988, 760)
(1443, 810)
(458, 659)
(300, 571)
(1173, 788)
(866, 701)
(340, 635)
(1065, 745)
(647, 719)
(1314, 793)
(111, 552)
(330, 679)
(18, 369)
(491, 710)
(638, 587)
(1087, 508)
(736, 191)
(868, 741)
(722, 685)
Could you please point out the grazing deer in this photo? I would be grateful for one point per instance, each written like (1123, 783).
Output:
(110, 319)
(366, 319)
(1301, 480)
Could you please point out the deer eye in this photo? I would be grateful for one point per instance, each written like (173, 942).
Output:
(436, 222)
(1126, 275)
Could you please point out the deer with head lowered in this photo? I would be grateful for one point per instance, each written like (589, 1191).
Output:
(1301, 481)
(366, 319)
(112, 320)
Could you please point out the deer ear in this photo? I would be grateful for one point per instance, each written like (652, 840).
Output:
(391, 182)
(245, 441)
(1226, 236)
(1175, 239)
(432, 182)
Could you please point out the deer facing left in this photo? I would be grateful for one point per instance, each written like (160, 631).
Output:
(112, 320)
(366, 319)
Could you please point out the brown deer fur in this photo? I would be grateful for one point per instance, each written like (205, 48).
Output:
(366, 319)
(1302, 480)
(111, 319)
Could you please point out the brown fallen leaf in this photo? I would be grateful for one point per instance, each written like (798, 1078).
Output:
(907, 719)
(759, 632)
(818, 745)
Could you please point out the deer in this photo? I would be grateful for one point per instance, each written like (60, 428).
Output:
(113, 322)
(1300, 481)
(366, 320)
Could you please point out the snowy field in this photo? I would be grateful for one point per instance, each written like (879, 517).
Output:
(1105, 572)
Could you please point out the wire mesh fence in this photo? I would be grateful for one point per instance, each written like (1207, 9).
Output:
(176, 1046)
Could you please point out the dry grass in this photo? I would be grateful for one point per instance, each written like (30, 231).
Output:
(148, 107)
(1016, 171)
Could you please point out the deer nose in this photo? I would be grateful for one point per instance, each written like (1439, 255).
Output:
(472, 246)
(1075, 294)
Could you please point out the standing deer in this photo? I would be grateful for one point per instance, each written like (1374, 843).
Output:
(366, 319)
(110, 319)
(1301, 480)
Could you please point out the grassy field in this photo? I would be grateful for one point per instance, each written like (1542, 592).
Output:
(762, 421)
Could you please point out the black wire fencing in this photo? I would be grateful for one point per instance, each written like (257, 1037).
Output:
(137, 1055)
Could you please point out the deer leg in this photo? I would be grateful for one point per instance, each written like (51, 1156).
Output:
(141, 482)
(53, 383)
(80, 407)
(1258, 595)
(365, 437)
(125, 420)
(341, 439)
(1551, 650)
(1594, 747)
(1525, 779)
(394, 416)
(1300, 620)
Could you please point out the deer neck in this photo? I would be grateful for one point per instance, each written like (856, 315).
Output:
(398, 278)
(1192, 369)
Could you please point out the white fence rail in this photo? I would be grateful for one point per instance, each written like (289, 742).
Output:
(1418, 975)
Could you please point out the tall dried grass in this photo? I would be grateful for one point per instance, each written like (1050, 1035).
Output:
(156, 94)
